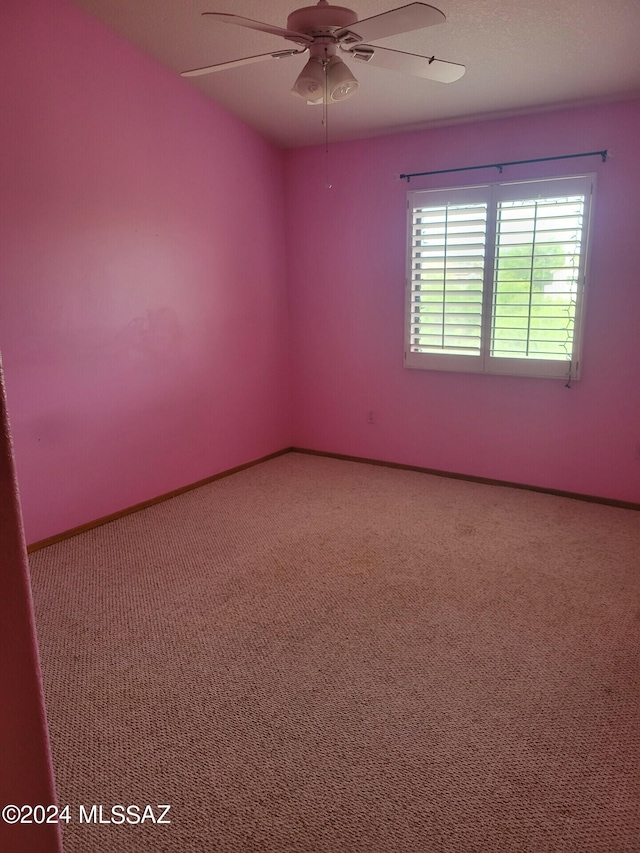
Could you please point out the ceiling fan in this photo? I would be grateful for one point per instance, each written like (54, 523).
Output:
(323, 29)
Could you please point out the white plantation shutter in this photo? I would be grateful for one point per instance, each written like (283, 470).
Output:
(537, 269)
(447, 277)
(496, 277)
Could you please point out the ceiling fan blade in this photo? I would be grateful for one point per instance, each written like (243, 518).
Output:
(408, 63)
(235, 63)
(292, 35)
(415, 16)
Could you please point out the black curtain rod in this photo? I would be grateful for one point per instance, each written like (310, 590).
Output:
(500, 166)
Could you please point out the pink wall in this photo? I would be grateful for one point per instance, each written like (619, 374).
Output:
(144, 320)
(26, 776)
(347, 268)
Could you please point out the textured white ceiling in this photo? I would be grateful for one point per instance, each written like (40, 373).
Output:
(520, 55)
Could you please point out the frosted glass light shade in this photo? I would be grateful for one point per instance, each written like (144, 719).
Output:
(310, 82)
(340, 81)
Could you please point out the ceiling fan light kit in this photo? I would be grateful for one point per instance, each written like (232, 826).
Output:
(324, 28)
(325, 78)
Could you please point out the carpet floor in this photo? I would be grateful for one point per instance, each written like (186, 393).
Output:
(320, 656)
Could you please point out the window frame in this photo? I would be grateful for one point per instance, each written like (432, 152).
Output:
(493, 193)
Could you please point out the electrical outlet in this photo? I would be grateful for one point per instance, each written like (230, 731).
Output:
(371, 417)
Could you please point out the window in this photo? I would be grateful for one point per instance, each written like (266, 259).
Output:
(496, 277)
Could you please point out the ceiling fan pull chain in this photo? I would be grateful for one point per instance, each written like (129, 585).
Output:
(325, 90)
(325, 119)
(326, 152)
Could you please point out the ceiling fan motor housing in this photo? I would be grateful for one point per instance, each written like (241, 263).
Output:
(321, 20)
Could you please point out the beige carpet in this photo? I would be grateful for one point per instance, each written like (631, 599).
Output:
(318, 655)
